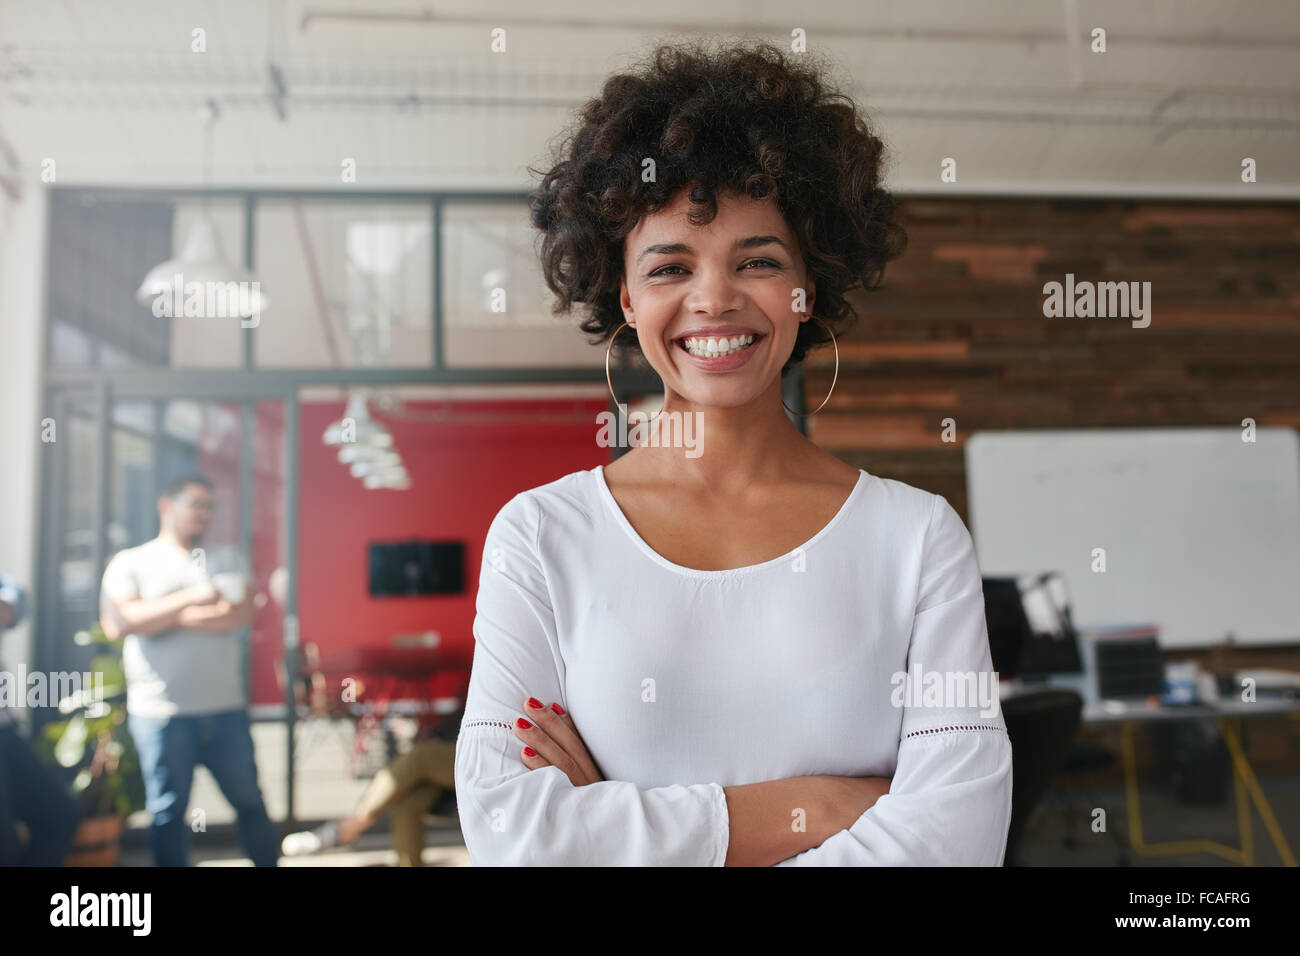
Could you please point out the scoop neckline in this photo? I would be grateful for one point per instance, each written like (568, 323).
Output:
(659, 559)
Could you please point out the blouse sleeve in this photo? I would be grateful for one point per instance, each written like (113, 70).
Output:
(513, 816)
(949, 801)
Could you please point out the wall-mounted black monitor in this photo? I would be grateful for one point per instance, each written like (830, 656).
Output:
(413, 568)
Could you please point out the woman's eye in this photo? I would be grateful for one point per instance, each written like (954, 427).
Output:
(761, 263)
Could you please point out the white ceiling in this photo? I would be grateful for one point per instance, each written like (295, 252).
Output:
(112, 92)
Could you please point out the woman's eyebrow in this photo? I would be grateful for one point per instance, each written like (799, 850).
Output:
(672, 248)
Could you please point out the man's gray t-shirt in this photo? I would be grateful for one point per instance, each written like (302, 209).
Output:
(178, 672)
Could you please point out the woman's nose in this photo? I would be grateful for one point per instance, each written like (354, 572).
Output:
(714, 291)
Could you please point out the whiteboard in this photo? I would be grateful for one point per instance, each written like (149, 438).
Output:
(1200, 529)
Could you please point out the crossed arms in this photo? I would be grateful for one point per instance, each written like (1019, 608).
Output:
(196, 608)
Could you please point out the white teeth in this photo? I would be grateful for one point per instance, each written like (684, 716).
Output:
(714, 347)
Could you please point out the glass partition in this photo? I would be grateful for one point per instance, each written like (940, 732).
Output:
(350, 283)
(497, 308)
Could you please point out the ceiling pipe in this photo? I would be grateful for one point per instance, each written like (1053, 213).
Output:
(316, 283)
(657, 26)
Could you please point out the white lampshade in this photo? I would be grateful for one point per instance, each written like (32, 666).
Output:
(396, 482)
(383, 463)
(365, 430)
(202, 261)
(352, 453)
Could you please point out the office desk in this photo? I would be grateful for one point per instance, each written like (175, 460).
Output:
(1228, 716)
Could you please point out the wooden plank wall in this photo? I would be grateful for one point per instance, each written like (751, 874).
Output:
(957, 329)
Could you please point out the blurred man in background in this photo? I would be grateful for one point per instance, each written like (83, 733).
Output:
(30, 793)
(182, 653)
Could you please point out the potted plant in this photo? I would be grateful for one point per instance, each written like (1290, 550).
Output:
(93, 738)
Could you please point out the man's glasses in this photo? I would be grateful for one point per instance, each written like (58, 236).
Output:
(198, 504)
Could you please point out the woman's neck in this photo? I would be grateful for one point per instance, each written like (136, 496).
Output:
(740, 447)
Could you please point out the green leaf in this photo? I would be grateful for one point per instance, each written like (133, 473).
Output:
(98, 725)
(54, 731)
(71, 748)
(110, 665)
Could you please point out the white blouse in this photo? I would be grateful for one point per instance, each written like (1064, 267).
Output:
(683, 681)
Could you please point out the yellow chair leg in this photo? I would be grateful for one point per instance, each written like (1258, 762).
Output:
(1243, 772)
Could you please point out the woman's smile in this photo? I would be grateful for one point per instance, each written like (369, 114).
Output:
(714, 353)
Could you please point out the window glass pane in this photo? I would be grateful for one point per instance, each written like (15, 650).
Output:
(132, 515)
(202, 437)
(133, 482)
(75, 601)
(183, 421)
(110, 357)
(136, 416)
(350, 284)
(497, 307)
(100, 250)
(69, 346)
(78, 577)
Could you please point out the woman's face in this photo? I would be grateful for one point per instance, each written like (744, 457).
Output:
(735, 278)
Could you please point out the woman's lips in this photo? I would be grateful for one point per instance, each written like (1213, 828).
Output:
(722, 363)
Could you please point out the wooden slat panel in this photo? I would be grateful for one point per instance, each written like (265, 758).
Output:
(957, 330)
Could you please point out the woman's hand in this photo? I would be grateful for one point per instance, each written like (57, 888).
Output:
(554, 742)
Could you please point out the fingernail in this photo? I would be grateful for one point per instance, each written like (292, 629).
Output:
(558, 709)
(530, 752)
(534, 703)
(523, 723)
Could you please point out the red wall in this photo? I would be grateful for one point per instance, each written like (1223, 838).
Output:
(461, 474)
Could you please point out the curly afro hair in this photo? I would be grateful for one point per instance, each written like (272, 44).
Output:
(747, 120)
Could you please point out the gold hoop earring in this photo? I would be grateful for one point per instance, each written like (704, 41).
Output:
(834, 378)
(610, 382)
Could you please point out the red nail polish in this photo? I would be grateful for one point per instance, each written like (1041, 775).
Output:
(558, 709)
(530, 752)
(534, 703)
(523, 723)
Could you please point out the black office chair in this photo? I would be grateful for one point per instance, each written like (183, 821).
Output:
(1042, 726)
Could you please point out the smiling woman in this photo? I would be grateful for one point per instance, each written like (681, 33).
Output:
(742, 120)
(690, 659)
(744, 262)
